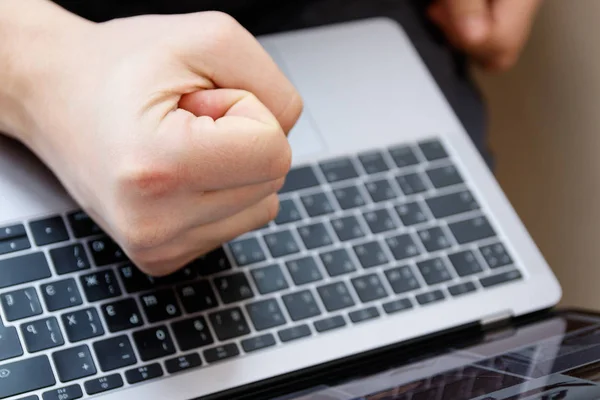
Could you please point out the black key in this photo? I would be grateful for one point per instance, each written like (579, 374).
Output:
(160, 305)
(221, 353)
(499, 279)
(192, 333)
(294, 333)
(397, 305)
(122, 315)
(338, 169)
(212, 263)
(349, 197)
(154, 343)
(317, 204)
(465, 263)
(12, 232)
(265, 314)
(69, 259)
(411, 183)
(233, 288)
(247, 251)
(365, 314)
(373, 162)
(472, 230)
(434, 271)
(48, 231)
(145, 373)
(329, 324)
(13, 245)
(104, 384)
(403, 156)
(337, 262)
(187, 273)
(134, 279)
(411, 213)
(370, 254)
(82, 324)
(452, 204)
(114, 353)
(288, 212)
(299, 178)
(258, 343)
(281, 244)
(74, 363)
(430, 297)
(369, 288)
(335, 296)
(444, 176)
(183, 363)
(20, 304)
(197, 296)
(100, 285)
(462, 288)
(433, 149)
(301, 305)
(82, 225)
(304, 270)
(379, 220)
(25, 376)
(347, 228)
(402, 246)
(105, 251)
(315, 236)
(269, 279)
(71, 392)
(229, 323)
(23, 269)
(402, 279)
(434, 239)
(42, 334)
(380, 190)
(10, 346)
(63, 294)
(496, 255)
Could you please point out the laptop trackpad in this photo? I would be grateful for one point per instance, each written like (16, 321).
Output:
(305, 139)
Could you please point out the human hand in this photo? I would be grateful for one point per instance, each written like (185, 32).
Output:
(492, 32)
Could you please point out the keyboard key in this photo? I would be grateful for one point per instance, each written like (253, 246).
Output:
(134, 279)
(221, 353)
(183, 363)
(229, 323)
(299, 178)
(32, 397)
(19, 304)
(397, 306)
(337, 262)
(122, 315)
(258, 343)
(197, 296)
(369, 288)
(338, 169)
(144, 373)
(82, 324)
(13, 245)
(192, 333)
(247, 251)
(496, 255)
(100, 285)
(185, 274)
(402, 279)
(74, 363)
(12, 232)
(82, 225)
(430, 297)
(304, 270)
(10, 346)
(380, 190)
(301, 305)
(379, 220)
(22, 269)
(233, 288)
(434, 271)
(288, 212)
(71, 392)
(17, 377)
(433, 149)
(434, 239)
(370, 254)
(412, 183)
(499, 279)
(403, 156)
(465, 263)
(160, 305)
(317, 204)
(212, 263)
(154, 343)
(366, 314)
(265, 314)
(472, 230)
(48, 231)
(114, 353)
(411, 214)
(462, 288)
(335, 296)
(105, 251)
(315, 236)
(329, 324)
(347, 228)
(62, 294)
(42, 334)
(104, 384)
(402, 246)
(294, 333)
(444, 176)
(373, 162)
(269, 279)
(452, 204)
(349, 197)
(281, 244)
(69, 259)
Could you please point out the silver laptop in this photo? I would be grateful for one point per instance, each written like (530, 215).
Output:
(391, 228)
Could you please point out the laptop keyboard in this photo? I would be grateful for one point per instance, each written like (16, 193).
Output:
(357, 239)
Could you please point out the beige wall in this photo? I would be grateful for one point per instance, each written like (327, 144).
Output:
(545, 130)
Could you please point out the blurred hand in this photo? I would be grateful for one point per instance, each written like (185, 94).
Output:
(492, 32)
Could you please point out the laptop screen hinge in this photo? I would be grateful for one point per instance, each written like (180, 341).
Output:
(496, 319)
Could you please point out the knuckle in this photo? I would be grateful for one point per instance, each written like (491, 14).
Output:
(271, 208)
(279, 160)
(277, 184)
(148, 180)
(222, 28)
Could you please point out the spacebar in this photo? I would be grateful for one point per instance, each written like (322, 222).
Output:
(24, 376)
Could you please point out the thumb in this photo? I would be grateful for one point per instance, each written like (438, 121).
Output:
(469, 20)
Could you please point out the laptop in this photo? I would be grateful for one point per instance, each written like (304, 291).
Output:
(391, 229)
